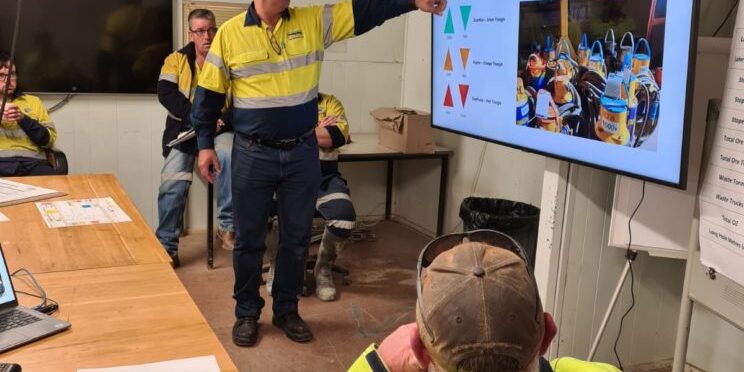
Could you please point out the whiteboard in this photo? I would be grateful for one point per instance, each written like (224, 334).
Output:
(662, 224)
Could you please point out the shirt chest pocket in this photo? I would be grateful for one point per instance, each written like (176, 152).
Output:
(248, 64)
(297, 44)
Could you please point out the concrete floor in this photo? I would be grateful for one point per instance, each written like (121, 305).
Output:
(380, 297)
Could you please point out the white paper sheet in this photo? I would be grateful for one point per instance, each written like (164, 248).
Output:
(4, 218)
(16, 192)
(198, 364)
(67, 213)
(722, 195)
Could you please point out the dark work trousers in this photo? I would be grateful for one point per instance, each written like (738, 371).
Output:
(259, 172)
(23, 166)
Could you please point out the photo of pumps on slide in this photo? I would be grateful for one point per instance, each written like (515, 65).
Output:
(599, 78)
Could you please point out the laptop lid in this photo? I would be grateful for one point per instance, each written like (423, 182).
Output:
(7, 293)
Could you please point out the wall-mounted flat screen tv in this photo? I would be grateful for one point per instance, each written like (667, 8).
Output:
(89, 46)
(606, 83)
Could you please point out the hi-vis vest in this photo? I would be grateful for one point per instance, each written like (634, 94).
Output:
(14, 141)
(329, 105)
(369, 361)
(274, 74)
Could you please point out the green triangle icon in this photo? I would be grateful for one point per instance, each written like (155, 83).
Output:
(465, 12)
(449, 28)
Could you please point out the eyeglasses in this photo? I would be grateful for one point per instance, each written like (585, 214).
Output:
(4, 77)
(493, 238)
(212, 31)
(272, 41)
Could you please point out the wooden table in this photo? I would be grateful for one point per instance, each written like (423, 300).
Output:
(120, 316)
(29, 243)
(114, 284)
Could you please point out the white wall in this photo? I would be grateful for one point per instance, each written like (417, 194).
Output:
(590, 272)
(417, 181)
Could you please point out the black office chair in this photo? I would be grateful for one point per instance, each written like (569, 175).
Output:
(58, 160)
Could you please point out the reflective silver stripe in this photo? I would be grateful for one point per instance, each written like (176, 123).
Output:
(24, 153)
(48, 124)
(178, 176)
(275, 67)
(273, 102)
(328, 25)
(346, 225)
(169, 77)
(330, 197)
(217, 62)
(328, 155)
(174, 117)
(13, 133)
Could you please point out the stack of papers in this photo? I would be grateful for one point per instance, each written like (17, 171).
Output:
(183, 137)
(198, 364)
(16, 193)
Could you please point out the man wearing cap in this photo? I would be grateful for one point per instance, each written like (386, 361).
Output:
(478, 310)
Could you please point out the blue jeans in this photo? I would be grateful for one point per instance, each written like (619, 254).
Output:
(175, 181)
(258, 173)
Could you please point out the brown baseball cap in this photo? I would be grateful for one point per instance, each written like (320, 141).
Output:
(479, 300)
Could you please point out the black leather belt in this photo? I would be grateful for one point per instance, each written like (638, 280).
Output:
(284, 144)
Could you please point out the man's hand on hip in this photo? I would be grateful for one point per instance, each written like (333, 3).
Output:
(207, 160)
(431, 6)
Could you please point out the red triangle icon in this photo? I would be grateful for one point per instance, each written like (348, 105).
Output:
(464, 93)
(448, 98)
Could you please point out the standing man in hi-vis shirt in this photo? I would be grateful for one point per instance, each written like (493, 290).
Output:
(270, 57)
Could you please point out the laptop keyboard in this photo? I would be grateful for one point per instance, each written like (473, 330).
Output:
(15, 319)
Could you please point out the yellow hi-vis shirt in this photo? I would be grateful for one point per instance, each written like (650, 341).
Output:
(273, 74)
(329, 105)
(13, 139)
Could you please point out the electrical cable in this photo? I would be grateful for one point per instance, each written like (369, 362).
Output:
(61, 103)
(630, 256)
(731, 11)
(12, 57)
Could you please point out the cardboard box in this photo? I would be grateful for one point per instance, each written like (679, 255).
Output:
(405, 130)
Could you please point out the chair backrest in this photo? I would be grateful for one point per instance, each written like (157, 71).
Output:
(58, 160)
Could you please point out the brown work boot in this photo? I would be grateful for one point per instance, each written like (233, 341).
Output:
(227, 238)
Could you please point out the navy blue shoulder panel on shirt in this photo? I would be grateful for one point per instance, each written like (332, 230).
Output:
(207, 109)
(369, 14)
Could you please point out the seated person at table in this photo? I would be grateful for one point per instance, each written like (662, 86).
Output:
(26, 129)
(334, 200)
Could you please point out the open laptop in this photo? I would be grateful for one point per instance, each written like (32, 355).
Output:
(19, 325)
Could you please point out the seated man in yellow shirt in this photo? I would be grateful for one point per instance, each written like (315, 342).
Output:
(26, 129)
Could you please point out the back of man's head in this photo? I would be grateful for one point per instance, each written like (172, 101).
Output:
(480, 310)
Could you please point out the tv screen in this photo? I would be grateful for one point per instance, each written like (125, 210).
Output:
(605, 83)
(89, 46)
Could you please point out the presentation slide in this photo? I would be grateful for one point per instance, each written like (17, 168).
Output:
(6, 287)
(600, 82)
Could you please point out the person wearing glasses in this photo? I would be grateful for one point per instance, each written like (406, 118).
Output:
(270, 58)
(26, 129)
(477, 309)
(176, 85)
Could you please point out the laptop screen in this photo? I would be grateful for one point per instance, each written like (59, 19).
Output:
(7, 295)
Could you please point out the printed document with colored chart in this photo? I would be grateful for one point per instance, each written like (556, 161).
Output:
(81, 212)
